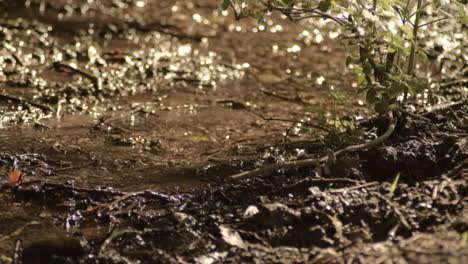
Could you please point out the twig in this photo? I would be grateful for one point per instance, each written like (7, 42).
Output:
(275, 167)
(395, 209)
(104, 122)
(444, 106)
(52, 185)
(113, 254)
(126, 196)
(11, 51)
(291, 121)
(166, 29)
(457, 170)
(432, 252)
(296, 13)
(374, 142)
(460, 121)
(314, 182)
(365, 185)
(18, 231)
(281, 97)
(36, 35)
(197, 38)
(96, 81)
(268, 170)
(74, 167)
(449, 84)
(415, 116)
(19, 100)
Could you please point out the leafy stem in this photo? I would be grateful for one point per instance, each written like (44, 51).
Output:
(414, 44)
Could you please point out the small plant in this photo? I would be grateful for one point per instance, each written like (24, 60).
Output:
(385, 34)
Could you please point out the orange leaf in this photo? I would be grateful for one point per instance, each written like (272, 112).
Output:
(90, 209)
(15, 176)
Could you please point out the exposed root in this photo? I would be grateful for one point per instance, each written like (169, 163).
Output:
(415, 116)
(371, 143)
(268, 170)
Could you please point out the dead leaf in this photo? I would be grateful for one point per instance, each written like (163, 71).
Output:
(251, 211)
(15, 176)
(232, 237)
(197, 139)
(269, 78)
(90, 209)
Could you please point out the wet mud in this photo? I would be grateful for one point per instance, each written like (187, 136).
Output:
(121, 122)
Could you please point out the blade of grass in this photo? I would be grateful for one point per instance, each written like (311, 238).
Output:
(394, 185)
(464, 240)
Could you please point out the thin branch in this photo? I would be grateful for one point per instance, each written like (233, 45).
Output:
(419, 9)
(291, 121)
(21, 101)
(74, 167)
(268, 170)
(295, 13)
(18, 231)
(437, 20)
(356, 187)
(96, 81)
(395, 209)
(11, 51)
(414, 44)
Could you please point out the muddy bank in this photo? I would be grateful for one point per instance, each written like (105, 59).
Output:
(358, 213)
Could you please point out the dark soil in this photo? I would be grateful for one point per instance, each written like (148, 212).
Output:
(120, 126)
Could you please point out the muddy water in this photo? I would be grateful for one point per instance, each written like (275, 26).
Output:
(163, 99)
(177, 84)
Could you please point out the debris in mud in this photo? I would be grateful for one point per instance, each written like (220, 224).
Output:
(17, 166)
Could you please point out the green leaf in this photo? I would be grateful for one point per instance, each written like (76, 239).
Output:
(337, 97)
(367, 69)
(286, 3)
(225, 4)
(461, 9)
(423, 55)
(381, 106)
(407, 30)
(326, 5)
(415, 84)
(397, 88)
(372, 96)
(352, 60)
(436, 4)
(260, 16)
